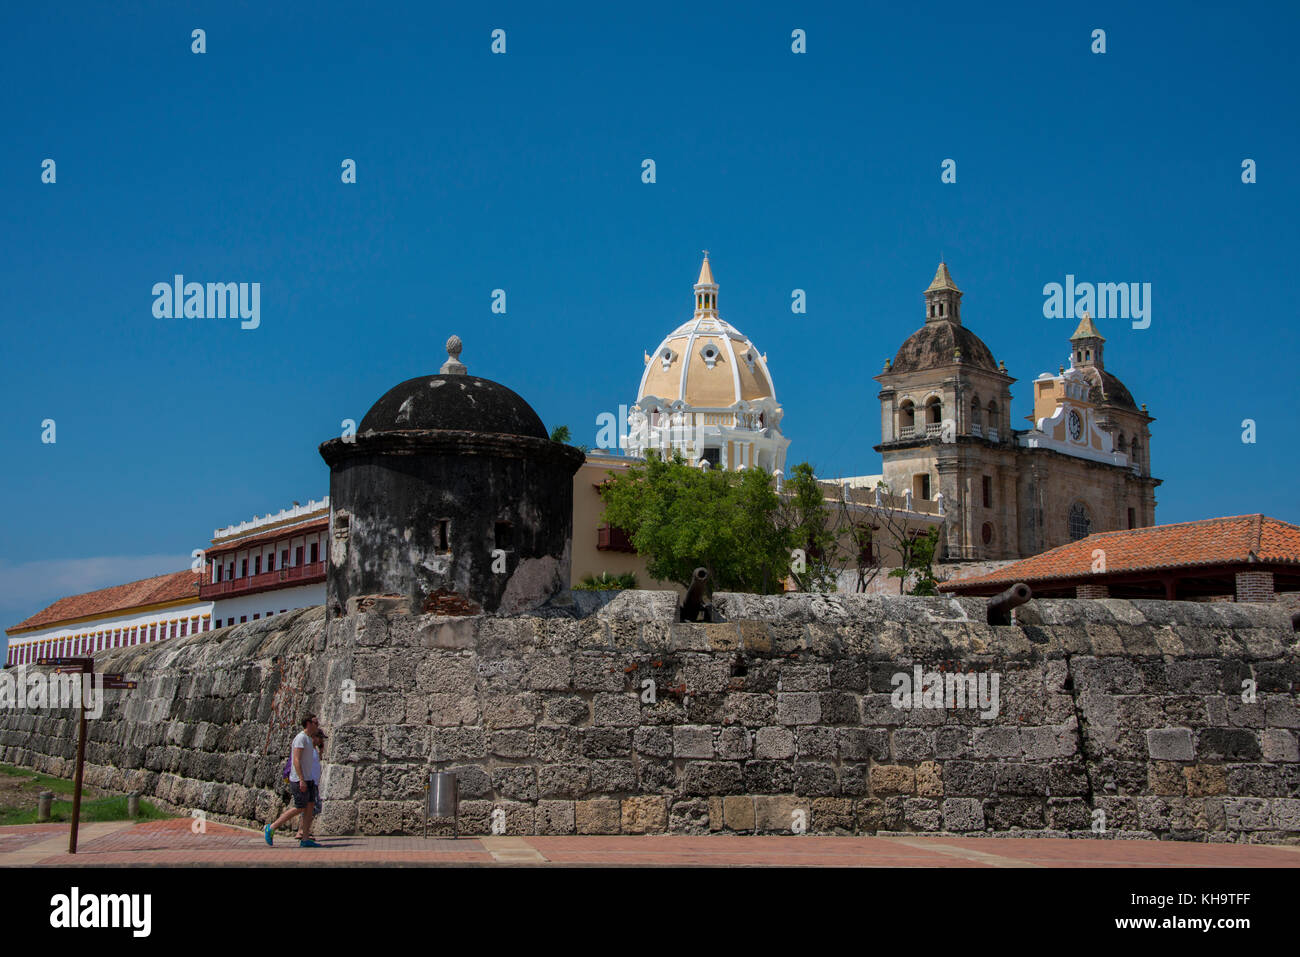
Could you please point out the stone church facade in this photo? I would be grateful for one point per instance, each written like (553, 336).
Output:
(945, 419)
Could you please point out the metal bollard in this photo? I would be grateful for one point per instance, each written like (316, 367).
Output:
(441, 800)
(133, 804)
(43, 801)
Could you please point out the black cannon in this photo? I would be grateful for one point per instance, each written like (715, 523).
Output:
(1000, 605)
(696, 606)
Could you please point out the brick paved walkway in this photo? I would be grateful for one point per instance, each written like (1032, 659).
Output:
(171, 842)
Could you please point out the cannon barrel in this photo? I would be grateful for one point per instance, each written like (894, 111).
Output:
(1000, 605)
(1295, 621)
(695, 599)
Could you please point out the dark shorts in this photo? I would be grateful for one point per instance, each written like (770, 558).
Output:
(301, 797)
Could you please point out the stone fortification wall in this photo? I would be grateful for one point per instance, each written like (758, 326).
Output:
(1127, 715)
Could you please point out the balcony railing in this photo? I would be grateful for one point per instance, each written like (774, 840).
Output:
(906, 431)
(976, 429)
(991, 435)
(933, 428)
(279, 578)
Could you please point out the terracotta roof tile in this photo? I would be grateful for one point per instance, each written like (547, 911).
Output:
(147, 591)
(1238, 539)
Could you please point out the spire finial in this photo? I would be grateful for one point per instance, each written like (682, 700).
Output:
(706, 278)
(453, 365)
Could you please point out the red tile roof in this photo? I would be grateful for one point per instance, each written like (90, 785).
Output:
(117, 598)
(1237, 540)
(287, 531)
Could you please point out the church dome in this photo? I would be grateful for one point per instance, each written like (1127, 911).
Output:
(706, 362)
(934, 343)
(1107, 388)
(453, 400)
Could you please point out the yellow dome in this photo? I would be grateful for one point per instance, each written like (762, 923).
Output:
(706, 362)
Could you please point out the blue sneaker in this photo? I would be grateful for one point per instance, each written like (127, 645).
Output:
(269, 835)
(307, 842)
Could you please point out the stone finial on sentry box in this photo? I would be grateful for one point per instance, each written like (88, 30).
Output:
(453, 365)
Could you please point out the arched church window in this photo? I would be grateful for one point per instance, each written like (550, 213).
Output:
(906, 415)
(993, 414)
(1080, 522)
(934, 411)
(1119, 442)
(975, 411)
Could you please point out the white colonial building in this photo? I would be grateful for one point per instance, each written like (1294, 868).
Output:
(268, 565)
(706, 392)
(153, 609)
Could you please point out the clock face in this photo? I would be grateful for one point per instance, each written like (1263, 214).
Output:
(1076, 425)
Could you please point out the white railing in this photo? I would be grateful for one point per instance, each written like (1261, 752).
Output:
(992, 435)
(975, 428)
(933, 428)
(906, 431)
(284, 514)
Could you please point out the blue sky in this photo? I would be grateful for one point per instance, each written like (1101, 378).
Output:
(522, 171)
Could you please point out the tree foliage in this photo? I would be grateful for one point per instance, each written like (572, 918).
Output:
(813, 529)
(917, 553)
(682, 518)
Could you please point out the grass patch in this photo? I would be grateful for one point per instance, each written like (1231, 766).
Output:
(20, 790)
(39, 782)
(101, 809)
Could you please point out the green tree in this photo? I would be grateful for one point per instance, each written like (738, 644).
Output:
(682, 518)
(562, 434)
(917, 553)
(812, 528)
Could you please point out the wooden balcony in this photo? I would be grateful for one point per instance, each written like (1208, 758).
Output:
(308, 574)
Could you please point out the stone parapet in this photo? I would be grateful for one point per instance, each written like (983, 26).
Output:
(1108, 718)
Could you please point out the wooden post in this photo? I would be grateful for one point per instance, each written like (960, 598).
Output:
(81, 767)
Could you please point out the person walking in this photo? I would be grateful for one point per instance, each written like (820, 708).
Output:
(303, 777)
(318, 739)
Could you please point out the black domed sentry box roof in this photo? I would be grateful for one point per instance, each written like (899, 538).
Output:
(461, 403)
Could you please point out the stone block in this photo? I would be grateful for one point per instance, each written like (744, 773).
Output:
(738, 812)
(774, 743)
(777, 815)
(645, 815)
(1169, 744)
(565, 710)
(555, 817)
(963, 814)
(600, 816)
(734, 744)
(796, 708)
(691, 741)
(616, 710)
(1279, 746)
(892, 779)
(832, 814)
(929, 779)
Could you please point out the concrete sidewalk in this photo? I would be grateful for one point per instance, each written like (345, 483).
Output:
(172, 843)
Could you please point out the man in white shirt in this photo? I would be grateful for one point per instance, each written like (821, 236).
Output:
(304, 777)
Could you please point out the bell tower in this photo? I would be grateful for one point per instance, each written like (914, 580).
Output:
(1085, 345)
(943, 298)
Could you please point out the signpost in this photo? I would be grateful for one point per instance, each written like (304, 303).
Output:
(82, 666)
